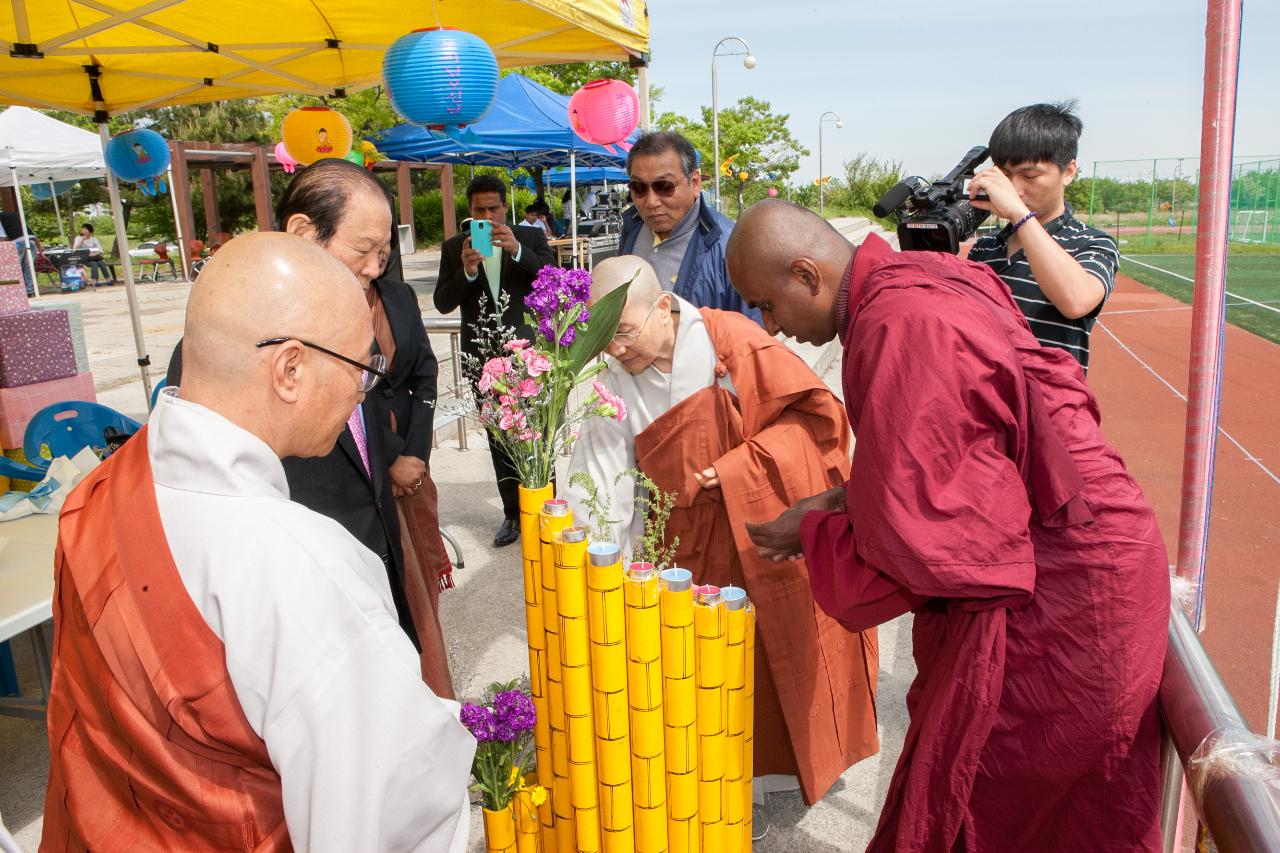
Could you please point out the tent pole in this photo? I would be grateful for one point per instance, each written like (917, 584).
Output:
(57, 213)
(28, 251)
(573, 207)
(183, 249)
(642, 83)
(122, 244)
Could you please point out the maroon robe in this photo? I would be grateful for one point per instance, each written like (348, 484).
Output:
(984, 498)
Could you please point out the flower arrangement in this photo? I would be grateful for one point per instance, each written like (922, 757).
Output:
(503, 727)
(524, 387)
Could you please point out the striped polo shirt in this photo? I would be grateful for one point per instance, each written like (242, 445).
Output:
(1092, 249)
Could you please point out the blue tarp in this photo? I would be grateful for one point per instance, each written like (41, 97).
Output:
(528, 125)
(586, 177)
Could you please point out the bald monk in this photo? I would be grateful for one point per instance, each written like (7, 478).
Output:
(984, 499)
(739, 428)
(228, 670)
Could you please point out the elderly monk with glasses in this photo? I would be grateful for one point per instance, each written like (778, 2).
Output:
(229, 671)
(738, 427)
(673, 227)
(376, 482)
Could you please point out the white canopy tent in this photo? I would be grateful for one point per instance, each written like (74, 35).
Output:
(37, 149)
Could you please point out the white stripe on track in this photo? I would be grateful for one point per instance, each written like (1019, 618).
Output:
(1229, 437)
(1192, 281)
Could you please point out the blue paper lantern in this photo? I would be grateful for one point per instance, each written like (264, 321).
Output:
(137, 155)
(441, 77)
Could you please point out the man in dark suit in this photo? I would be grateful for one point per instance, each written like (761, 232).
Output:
(347, 212)
(473, 282)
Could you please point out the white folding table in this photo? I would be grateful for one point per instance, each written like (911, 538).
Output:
(26, 598)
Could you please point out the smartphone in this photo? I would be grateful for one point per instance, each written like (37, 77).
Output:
(482, 237)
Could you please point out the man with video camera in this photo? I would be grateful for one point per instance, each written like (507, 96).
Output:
(1060, 270)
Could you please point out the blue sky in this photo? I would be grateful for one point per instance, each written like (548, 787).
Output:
(922, 80)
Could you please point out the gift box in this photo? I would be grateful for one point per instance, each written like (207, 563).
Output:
(10, 263)
(76, 319)
(35, 346)
(19, 405)
(13, 298)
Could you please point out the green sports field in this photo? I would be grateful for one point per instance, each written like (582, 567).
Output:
(1253, 277)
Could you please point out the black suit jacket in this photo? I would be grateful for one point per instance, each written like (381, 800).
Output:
(336, 486)
(411, 392)
(454, 291)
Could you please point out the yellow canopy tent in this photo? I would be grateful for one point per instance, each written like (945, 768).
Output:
(149, 53)
(106, 57)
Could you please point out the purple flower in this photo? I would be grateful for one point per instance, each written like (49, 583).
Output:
(558, 295)
(479, 721)
(514, 710)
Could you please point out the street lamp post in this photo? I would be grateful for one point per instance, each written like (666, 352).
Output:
(822, 119)
(748, 62)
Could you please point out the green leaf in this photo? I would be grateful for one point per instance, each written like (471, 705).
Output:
(601, 328)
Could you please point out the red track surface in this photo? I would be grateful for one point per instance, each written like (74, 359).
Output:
(1145, 420)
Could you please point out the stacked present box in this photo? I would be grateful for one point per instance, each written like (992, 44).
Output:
(43, 360)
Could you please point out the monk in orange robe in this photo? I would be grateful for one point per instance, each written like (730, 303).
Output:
(738, 427)
(229, 672)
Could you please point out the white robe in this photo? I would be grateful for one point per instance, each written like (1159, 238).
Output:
(605, 447)
(369, 758)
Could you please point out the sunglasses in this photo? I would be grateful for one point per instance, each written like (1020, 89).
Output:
(663, 189)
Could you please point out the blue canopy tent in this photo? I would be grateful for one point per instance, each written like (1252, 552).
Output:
(527, 126)
(559, 177)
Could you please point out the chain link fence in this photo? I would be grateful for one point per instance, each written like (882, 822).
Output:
(1144, 200)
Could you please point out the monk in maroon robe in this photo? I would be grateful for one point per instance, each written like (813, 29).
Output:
(984, 499)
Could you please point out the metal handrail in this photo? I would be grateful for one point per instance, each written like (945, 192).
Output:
(1240, 810)
(452, 326)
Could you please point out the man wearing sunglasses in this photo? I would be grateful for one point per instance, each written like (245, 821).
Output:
(229, 671)
(674, 228)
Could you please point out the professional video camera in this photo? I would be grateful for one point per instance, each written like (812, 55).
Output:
(936, 217)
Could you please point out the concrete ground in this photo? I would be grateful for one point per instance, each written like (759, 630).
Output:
(483, 619)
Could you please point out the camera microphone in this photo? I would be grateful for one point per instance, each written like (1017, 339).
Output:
(893, 199)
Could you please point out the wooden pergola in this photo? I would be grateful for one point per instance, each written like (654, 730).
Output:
(208, 158)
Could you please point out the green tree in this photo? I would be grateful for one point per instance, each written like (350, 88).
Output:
(763, 150)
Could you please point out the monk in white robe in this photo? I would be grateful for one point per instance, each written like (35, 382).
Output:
(229, 672)
(733, 422)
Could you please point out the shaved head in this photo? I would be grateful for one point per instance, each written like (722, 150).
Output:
(611, 273)
(267, 286)
(647, 328)
(787, 261)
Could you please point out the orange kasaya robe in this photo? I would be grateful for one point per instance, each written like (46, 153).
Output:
(149, 748)
(784, 437)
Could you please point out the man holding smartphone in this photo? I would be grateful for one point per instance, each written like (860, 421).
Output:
(1060, 270)
(473, 280)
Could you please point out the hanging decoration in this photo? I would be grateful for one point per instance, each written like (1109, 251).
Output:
(314, 133)
(605, 112)
(773, 192)
(354, 156)
(289, 164)
(441, 78)
(141, 157)
(42, 192)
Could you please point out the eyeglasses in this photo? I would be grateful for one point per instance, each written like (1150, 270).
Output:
(626, 339)
(369, 373)
(662, 188)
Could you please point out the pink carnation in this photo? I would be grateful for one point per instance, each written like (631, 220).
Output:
(537, 364)
(516, 345)
(527, 388)
(612, 405)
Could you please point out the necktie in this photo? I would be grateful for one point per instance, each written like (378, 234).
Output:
(356, 424)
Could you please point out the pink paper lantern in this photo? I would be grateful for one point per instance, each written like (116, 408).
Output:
(283, 158)
(605, 112)
(773, 192)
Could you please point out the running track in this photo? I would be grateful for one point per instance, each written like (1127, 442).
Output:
(1140, 348)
